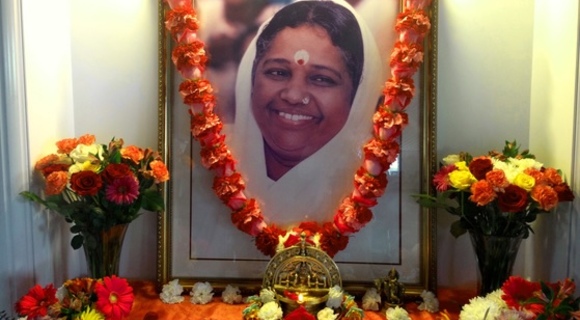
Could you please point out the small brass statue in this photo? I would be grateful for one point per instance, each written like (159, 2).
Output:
(391, 289)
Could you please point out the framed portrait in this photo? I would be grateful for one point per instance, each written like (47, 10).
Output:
(296, 127)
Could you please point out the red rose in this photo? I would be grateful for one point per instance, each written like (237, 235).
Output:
(86, 183)
(115, 171)
(513, 199)
(480, 166)
(564, 192)
(267, 240)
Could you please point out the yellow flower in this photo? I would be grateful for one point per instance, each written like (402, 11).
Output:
(460, 179)
(461, 166)
(524, 181)
(91, 314)
(84, 166)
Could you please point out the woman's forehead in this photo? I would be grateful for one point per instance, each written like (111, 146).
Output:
(305, 43)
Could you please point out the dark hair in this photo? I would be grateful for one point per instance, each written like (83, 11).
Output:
(340, 24)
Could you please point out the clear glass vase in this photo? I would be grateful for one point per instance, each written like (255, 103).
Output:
(104, 255)
(495, 259)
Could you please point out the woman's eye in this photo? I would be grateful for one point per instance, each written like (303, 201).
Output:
(324, 81)
(277, 74)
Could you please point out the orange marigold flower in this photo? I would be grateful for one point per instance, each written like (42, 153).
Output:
(46, 161)
(546, 196)
(482, 193)
(497, 179)
(67, 145)
(56, 182)
(87, 139)
(159, 171)
(132, 153)
(552, 176)
(115, 297)
(538, 175)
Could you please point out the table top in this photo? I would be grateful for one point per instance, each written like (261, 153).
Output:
(148, 306)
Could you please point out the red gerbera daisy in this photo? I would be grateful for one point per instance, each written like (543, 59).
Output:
(441, 180)
(114, 297)
(123, 190)
(36, 302)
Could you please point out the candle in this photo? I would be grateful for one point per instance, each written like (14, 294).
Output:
(300, 298)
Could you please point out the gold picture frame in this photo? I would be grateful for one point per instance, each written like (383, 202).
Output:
(175, 239)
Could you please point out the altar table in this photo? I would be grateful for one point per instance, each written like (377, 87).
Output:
(148, 306)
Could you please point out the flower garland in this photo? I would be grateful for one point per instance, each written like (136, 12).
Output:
(380, 151)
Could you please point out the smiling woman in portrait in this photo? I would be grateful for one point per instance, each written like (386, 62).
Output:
(305, 95)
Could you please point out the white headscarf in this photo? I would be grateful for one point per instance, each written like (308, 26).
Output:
(314, 188)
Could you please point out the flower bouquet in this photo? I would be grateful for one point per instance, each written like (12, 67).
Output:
(109, 298)
(100, 188)
(498, 194)
(522, 299)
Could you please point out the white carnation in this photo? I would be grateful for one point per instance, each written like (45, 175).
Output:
(371, 300)
(201, 293)
(267, 295)
(334, 297)
(171, 292)
(231, 295)
(430, 302)
(326, 314)
(270, 311)
(477, 308)
(397, 313)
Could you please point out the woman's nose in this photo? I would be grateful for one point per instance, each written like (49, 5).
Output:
(294, 93)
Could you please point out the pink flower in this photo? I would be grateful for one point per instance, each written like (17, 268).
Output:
(124, 190)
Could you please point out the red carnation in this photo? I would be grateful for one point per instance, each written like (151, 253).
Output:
(249, 218)
(332, 241)
(267, 240)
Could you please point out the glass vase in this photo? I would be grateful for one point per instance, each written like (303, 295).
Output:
(495, 257)
(104, 255)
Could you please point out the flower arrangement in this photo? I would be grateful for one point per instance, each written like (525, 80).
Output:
(109, 298)
(97, 186)
(370, 181)
(522, 299)
(497, 194)
(339, 305)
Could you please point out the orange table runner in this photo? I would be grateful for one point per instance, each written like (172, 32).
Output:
(148, 306)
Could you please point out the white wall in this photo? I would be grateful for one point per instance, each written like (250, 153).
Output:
(483, 98)
(72, 67)
(492, 87)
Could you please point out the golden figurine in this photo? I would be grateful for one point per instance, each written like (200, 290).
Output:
(301, 275)
(391, 289)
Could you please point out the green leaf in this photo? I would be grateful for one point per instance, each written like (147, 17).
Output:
(457, 229)
(75, 229)
(153, 201)
(77, 241)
